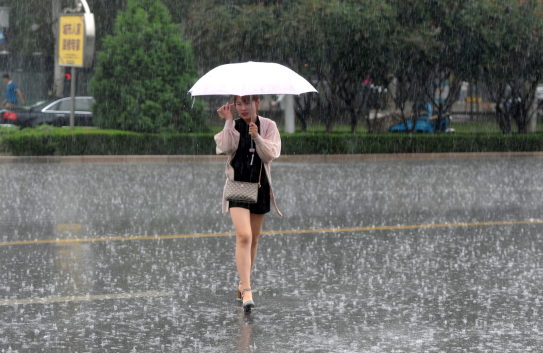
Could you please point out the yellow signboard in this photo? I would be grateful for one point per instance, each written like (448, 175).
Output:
(71, 41)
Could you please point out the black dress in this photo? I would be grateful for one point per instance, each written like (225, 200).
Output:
(244, 171)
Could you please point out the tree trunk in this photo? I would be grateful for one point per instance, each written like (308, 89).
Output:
(354, 120)
(325, 112)
(522, 121)
(478, 116)
(503, 120)
(402, 116)
(471, 117)
(439, 115)
(328, 126)
(415, 118)
(303, 112)
(303, 125)
(328, 119)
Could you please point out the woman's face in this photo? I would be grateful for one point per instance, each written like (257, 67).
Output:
(243, 107)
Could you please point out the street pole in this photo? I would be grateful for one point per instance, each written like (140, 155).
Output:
(79, 4)
(58, 78)
(288, 101)
(72, 99)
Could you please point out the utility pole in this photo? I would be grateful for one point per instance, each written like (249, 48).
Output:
(76, 31)
(58, 80)
(290, 115)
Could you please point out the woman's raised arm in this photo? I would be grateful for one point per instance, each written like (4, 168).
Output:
(228, 139)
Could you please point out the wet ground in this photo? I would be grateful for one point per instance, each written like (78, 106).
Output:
(103, 258)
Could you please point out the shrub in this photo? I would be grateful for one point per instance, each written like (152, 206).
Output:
(104, 142)
(143, 75)
(404, 143)
(58, 141)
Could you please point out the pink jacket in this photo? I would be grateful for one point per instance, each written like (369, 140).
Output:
(268, 147)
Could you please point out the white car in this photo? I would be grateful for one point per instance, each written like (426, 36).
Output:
(539, 94)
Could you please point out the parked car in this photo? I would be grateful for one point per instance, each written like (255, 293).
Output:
(539, 94)
(52, 112)
(425, 123)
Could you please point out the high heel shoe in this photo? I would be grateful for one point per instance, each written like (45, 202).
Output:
(249, 304)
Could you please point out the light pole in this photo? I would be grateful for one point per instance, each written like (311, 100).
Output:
(75, 44)
(74, 71)
(58, 84)
(58, 79)
(78, 5)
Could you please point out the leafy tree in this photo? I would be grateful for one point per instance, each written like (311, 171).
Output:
(303, 42)
(336, 44)
(455, 58)
(356, 38)
(512, 58)
(30, 27)
(268, 31)
(433, 48)
(143, 74)
(231, 33)
(412, 44)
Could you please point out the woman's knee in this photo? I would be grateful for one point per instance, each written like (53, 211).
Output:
(244, 238)
(255, 238)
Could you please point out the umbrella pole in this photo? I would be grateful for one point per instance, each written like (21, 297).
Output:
(252, 142)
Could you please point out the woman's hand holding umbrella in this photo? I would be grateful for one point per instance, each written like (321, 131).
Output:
(225, 112)
(253, 130)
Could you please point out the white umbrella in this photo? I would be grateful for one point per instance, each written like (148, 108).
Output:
(246, 79)
(250, 78)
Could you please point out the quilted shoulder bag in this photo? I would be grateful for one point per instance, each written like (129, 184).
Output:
(243, 191)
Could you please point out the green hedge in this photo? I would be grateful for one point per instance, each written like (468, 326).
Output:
(105, 142)
(112, 142)
(404, 143)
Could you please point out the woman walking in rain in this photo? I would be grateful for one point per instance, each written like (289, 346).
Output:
(240, 139)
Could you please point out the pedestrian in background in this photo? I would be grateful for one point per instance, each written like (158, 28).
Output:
(236, 141)
(11, 93)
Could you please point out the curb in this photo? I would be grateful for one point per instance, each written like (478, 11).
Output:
(309, 158)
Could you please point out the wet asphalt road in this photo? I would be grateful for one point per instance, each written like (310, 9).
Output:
(463, 288)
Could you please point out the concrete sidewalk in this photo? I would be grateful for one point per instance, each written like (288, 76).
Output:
(309, 158)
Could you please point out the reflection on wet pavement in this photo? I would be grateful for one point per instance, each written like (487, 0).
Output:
(475, 288)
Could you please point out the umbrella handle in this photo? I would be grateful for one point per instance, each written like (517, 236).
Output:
(252, 142)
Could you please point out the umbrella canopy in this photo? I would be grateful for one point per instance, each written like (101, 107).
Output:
(249, 78)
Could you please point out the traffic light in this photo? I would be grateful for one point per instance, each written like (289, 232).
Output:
(67, 83)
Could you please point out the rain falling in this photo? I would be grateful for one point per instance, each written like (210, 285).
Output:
(401, 166)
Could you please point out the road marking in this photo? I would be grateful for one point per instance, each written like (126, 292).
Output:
(82, 298)
(272, 232)
(92, 240)
(418, 190)
(403, 227)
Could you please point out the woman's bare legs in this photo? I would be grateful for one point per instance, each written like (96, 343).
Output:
(256, 228)
(247, 228)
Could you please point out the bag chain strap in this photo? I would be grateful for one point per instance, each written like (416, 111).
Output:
(260, 176)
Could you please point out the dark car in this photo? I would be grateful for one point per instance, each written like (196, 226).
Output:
(52, 112)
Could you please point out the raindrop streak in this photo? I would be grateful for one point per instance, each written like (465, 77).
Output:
(386, 288)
